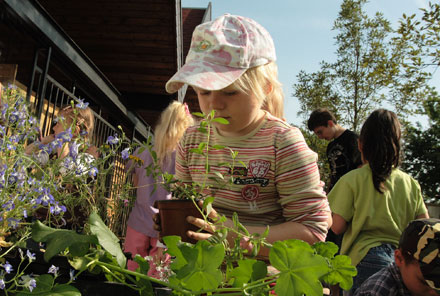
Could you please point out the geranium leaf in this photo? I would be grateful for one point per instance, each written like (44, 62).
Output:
(299, 274)
(107, 239)
(249, 269)
(342, 272)
(202, 272)
(326, 249)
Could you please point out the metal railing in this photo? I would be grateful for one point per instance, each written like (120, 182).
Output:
(46, 105)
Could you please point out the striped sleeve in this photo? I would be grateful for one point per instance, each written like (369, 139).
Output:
(298, 183)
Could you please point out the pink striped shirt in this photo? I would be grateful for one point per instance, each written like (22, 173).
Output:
(279, 183)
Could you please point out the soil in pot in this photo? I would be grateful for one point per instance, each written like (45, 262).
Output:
(173, 215)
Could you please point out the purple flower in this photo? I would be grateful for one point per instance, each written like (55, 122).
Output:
(57, 209)
(2, 284)
(28, 282)
(30, 255)
(112, 140)
(53, 269)
(45, 198)
(13, 223)
(73, 150)
(65, 136)
(125, 153)
(81, 104)
(9, 205)
(7, 267)
(93, 171)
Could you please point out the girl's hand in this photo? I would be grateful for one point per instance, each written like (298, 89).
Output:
(207, 226)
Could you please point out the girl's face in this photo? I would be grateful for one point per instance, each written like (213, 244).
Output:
(64, 121)
(243, 111)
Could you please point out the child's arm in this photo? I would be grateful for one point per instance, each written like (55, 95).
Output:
(339, 224)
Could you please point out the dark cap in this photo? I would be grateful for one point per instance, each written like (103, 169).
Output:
(421, 240)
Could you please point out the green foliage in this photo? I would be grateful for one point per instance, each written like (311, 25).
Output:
(374, 64)
(422, 153)
(107, 239)
(353, 85)
(59, 240)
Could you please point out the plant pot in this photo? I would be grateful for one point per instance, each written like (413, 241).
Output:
(173, 215)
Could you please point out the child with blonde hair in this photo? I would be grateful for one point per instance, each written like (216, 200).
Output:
(231, 66)
(141, 238)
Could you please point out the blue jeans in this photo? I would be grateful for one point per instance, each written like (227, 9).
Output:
(376, 259)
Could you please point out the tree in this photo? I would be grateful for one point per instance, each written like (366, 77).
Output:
(422, 152)
(353, 85)
(420, 42)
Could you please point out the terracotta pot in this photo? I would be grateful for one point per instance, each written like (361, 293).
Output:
(173, 215)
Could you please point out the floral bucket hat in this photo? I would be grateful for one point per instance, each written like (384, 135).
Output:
(221, 51)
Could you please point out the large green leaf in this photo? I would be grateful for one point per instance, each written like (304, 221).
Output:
(342, 273)
(57, 240)
(174, 246)
(326, 249)
(248, 270)
(107, 239)
(202, 273)
(300, 268)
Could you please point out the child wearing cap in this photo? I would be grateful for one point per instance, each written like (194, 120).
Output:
(231, 66)
(416, 270)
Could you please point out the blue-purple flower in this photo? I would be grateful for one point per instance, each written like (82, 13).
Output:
(2, 284)
(30, 255)
(7, 267)
(81, 104)
(45, 198)
(93, 171)
(125, 153)
(56, 209)
(112, 140)
(53, 269)
(65, 136)
(28, 282)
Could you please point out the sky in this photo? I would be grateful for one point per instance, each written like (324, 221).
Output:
(302, 32)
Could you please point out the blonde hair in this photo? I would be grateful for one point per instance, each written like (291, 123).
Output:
(84, 118)
(173, 122)
(262, 81)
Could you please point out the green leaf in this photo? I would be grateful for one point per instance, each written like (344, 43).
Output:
(144, 266)
(202, 271)
(57, 240)
(342, 272)
(44, 283)
(79, 263)
(218, 147)
(300, 268)
(107, 239)
(220, 120)
(173, 244)
(219, 175)
(326, 249)
(198, 114)
(64, 290)
(248, 270)
(207, 204)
